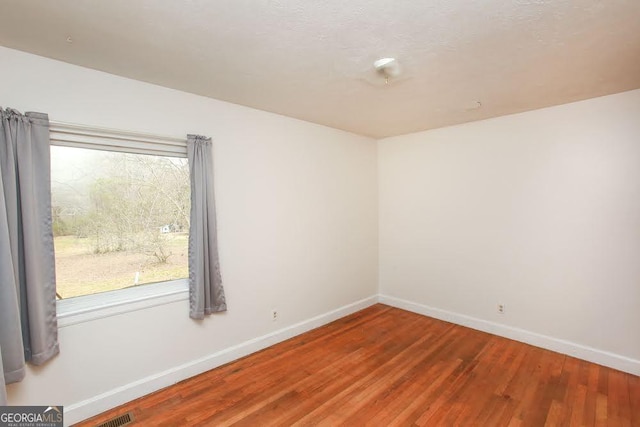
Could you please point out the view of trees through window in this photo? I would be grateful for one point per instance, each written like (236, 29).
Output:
(119, 219)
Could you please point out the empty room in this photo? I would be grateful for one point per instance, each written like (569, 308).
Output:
(279, 213)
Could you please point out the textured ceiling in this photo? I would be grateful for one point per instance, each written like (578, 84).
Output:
(313, 59)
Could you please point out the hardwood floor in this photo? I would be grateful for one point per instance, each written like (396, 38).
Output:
(387, 367)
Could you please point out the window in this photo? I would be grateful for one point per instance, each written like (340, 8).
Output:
(120, 218)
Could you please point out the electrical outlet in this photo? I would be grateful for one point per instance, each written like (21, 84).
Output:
(274, 315)
(500, 308)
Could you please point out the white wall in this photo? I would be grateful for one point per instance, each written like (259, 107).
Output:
(539, 211)
(297, 217)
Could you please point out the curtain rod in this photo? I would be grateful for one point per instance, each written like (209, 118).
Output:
(77, 129)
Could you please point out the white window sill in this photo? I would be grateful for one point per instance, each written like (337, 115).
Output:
(97, 306)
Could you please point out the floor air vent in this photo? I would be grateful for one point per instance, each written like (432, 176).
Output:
(120, 421)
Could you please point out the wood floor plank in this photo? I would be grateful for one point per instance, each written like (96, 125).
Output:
(619, 408)
(388, 367)
(578, 405)
(634, 397)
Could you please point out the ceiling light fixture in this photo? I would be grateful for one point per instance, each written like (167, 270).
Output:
(387, 68)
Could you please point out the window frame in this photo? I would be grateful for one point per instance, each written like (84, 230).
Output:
(110, 303)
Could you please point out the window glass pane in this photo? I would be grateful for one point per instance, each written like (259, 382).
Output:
(119, 219)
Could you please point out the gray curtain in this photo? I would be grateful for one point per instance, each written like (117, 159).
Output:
(3, 391)
(28, 324)
(206, 294)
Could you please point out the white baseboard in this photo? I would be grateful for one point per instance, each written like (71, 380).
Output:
(569, 348)
(121, 395)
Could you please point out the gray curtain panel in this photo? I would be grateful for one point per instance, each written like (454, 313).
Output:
(206, 294)
(28, 323)
(3, 391)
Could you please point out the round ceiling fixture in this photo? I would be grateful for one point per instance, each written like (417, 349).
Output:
(387, 68)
